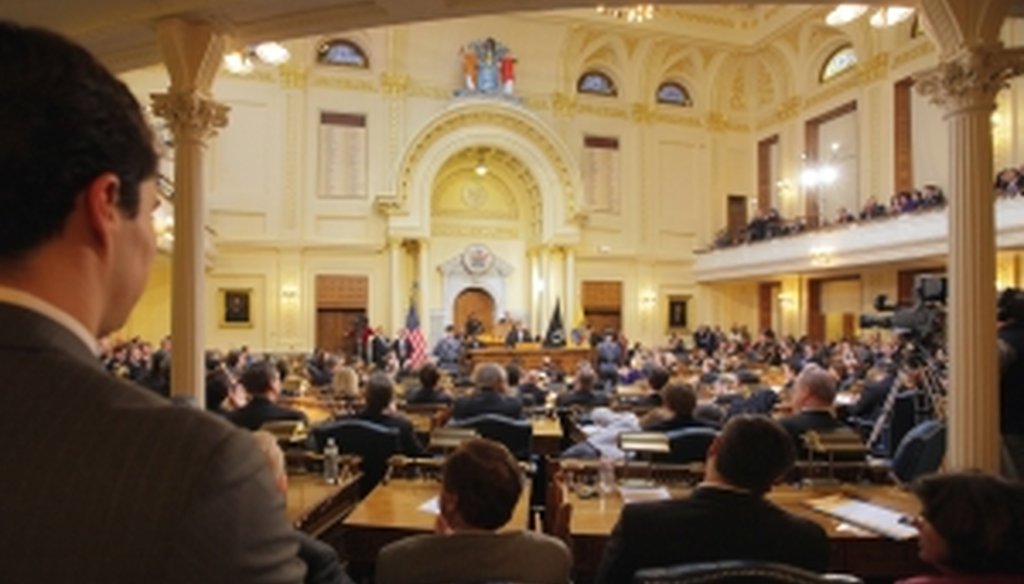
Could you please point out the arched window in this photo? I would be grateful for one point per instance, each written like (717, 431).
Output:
(840, 61)
(342, 52)
(597, 83)
(672, 93)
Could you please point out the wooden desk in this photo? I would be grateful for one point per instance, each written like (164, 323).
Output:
(313, 505)
(391, 512)
(854, 551)
(547, 436)
(530, 356)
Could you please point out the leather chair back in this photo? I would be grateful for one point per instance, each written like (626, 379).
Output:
(516, 435)
(920, 452)
(688, 445)
(738, 572)
(373, 443)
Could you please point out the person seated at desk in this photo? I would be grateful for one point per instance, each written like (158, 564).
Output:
(971, 528)
(517, 334)
(490, 396)
(380, 409)
(322, 565)
(813, 395)
(428, 392)
(481, 483)
(680, 400)
(726, 517)
(262, 382)
(583, 393)
(529, 391)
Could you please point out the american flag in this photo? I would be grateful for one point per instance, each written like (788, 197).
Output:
(413, 335)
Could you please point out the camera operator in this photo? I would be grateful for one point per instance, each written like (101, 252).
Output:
(1011, 380)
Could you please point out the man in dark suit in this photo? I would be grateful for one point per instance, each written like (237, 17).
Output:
(609, 359)
(726, 517)
(813, 394)
(380, 409)
(119, 484)
(262, 383)
(517, 334)
(583, 393)
(490, 395)
(680, 400)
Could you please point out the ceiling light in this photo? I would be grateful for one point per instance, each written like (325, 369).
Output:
(480, 169)
(238, 63)
(845, 13)
(890, 15)
(272, 53)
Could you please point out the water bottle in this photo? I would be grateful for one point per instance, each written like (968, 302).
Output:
(331, 462)
(606, 475)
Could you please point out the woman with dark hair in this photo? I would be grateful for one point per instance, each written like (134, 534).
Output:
(971, 528)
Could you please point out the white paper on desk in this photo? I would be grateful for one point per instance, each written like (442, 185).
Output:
(639, 494)
(431, 505)
(864, 515)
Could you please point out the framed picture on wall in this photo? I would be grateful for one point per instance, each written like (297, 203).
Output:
(677, 312)
(235, 307)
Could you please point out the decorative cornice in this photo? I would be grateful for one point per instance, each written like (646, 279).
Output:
(478, 231)
(343, 83)
(719, 122)
(970, 78)
(394, 84)
(293, 76)
(921, 49)
(190, 116)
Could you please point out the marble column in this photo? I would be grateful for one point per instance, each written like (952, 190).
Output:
(569, 304)
(546, 302)
(965, 85)
(423, 286)
(396, 286)
(192, 53)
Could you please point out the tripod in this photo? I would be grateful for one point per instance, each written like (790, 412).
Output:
(929, 402)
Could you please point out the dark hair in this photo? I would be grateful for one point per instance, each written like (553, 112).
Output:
(753, 452)
(258, 377)
(980, 516)
(380, 391)
(585, 380)
(429, 376)
(513, 373)
(486, 480)
(218, 383)
(680, 398)
(657, 378)
(66, 120)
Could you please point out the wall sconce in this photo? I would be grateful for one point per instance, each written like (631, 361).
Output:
(648, 299)
(822, 255)
(787, 301)
(289, 292)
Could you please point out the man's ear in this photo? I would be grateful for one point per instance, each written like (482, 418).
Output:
(102, 212)
(715, 445)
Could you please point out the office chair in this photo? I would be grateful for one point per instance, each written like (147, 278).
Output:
(920, 452)
(373, 443)
(738, 572)
(516, 435)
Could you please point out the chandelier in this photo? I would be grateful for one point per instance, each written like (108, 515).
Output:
(635, 13)
(883, 17)
(243, 62)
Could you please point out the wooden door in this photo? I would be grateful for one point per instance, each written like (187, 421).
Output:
(602, 305)
(337, 330)
(767, 293)
(477, 302)
(736, 215)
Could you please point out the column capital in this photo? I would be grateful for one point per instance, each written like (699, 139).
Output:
(970, 78)
(190, 115)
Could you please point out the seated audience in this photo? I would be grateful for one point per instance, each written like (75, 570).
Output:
(583, 393)
(971, 529)
(481, 486)
(680, 400)
(345, 381)
(428, 392)
(726, 517)
(813, 394)
(490, 396)
(263, 385)
(380, 409)
(322, 566)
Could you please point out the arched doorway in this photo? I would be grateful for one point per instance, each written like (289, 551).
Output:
(477, 302)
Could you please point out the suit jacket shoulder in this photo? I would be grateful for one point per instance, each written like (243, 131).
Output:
(126, 486)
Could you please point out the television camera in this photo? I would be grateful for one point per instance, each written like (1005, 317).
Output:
(924, 321)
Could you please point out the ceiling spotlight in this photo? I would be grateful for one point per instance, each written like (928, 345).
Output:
(480, 169)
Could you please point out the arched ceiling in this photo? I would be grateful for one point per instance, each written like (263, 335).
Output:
(122, 32)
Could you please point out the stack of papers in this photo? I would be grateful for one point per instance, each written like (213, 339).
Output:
(636, 494)
(872, 517)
